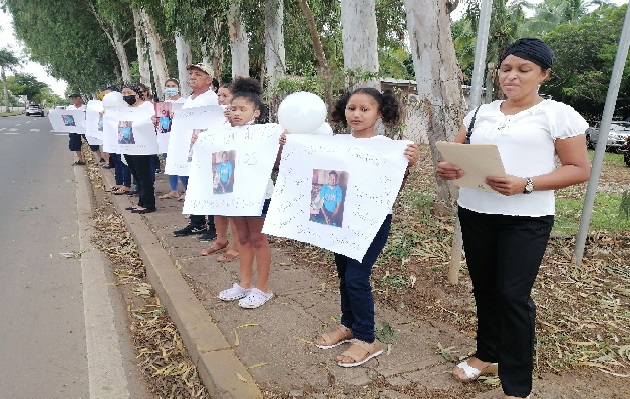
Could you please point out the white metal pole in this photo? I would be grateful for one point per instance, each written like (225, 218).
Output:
(600, 149)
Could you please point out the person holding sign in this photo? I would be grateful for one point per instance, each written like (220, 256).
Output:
(254, 246)
(361, 110)
(172, 95)
(505, 232)
(74, 139)
(141, 166)
(221, 223)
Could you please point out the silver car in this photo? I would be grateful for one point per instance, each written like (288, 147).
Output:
(617, 135)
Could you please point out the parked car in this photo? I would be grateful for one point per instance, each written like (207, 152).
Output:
(617, 135)
(34, 109)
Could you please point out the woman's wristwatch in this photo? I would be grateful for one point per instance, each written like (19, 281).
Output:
(529, 187)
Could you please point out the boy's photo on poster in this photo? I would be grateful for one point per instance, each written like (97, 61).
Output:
(125, 132)
(328, 193)
(163, 116)
(223, 163)
(68, 120)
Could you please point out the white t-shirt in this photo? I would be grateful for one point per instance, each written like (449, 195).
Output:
(207, 98)
(526, 143)
(81, 108)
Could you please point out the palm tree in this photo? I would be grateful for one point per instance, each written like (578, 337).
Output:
(505, 27)
(551, 13)
(9, 61)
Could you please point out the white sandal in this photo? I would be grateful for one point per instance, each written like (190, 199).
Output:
(472, 373)
(234, 293)
(255, 299)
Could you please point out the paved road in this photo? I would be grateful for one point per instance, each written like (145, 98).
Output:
(57, 339)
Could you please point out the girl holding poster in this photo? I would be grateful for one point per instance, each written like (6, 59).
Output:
(361, 110)
(221, 222)
(245, 108)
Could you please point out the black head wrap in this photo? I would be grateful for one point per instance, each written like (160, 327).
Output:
(531, 49)
(133, 87)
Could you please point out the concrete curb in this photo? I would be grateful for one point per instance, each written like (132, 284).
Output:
(220, 369)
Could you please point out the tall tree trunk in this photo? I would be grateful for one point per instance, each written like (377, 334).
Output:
(6, 91)
(184, 57)
(144, 68)
(238, 41)
(119, 48)
(275, 61)
(438, 80)
(156, 52)
(324, 68)
(115, 40)
(359, 33)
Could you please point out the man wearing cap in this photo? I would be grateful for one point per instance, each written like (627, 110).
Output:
(200, 82)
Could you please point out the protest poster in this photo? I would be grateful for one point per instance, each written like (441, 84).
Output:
(335, 192)
(164, 113)
(67, 120)
(129, 130)
(94, 119)
(230, 170)
(186, 120)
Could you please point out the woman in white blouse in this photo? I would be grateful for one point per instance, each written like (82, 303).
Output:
(505, 233)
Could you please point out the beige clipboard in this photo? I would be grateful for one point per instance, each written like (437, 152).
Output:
(476, 160)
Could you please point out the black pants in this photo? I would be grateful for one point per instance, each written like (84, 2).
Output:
(503, 254)
(200, 220)
(140, 167)
(357, 301)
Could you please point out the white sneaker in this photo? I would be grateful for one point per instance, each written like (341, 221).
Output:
(255, 299)
(234, 293)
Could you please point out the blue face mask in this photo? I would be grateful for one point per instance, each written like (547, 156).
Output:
(171, 91)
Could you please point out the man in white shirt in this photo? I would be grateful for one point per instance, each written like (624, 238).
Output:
(200, 82)
(74, 143)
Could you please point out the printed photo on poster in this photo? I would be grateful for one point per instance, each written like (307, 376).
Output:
(328, 193)
(163, 116)
(125, 133)
(68, 120)
(223, 163)
(100, 121)
(193, 140)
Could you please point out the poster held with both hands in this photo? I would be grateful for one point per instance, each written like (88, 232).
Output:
(335, 192)
(129, 130)
(67, 120)
(230, 170)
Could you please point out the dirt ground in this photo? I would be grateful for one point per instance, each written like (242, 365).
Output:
(583, 319)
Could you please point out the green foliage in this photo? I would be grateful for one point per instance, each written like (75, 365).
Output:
(385, 333)
(64, 36)
(27, 84)
(585, 56)
(606, 214)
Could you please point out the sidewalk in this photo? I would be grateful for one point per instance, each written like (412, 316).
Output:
(272, 344)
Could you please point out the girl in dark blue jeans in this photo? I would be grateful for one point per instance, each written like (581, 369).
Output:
(361, 110)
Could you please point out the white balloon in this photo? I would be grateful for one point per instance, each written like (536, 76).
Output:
(301, 112)
(324, 130)
(114, 99)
